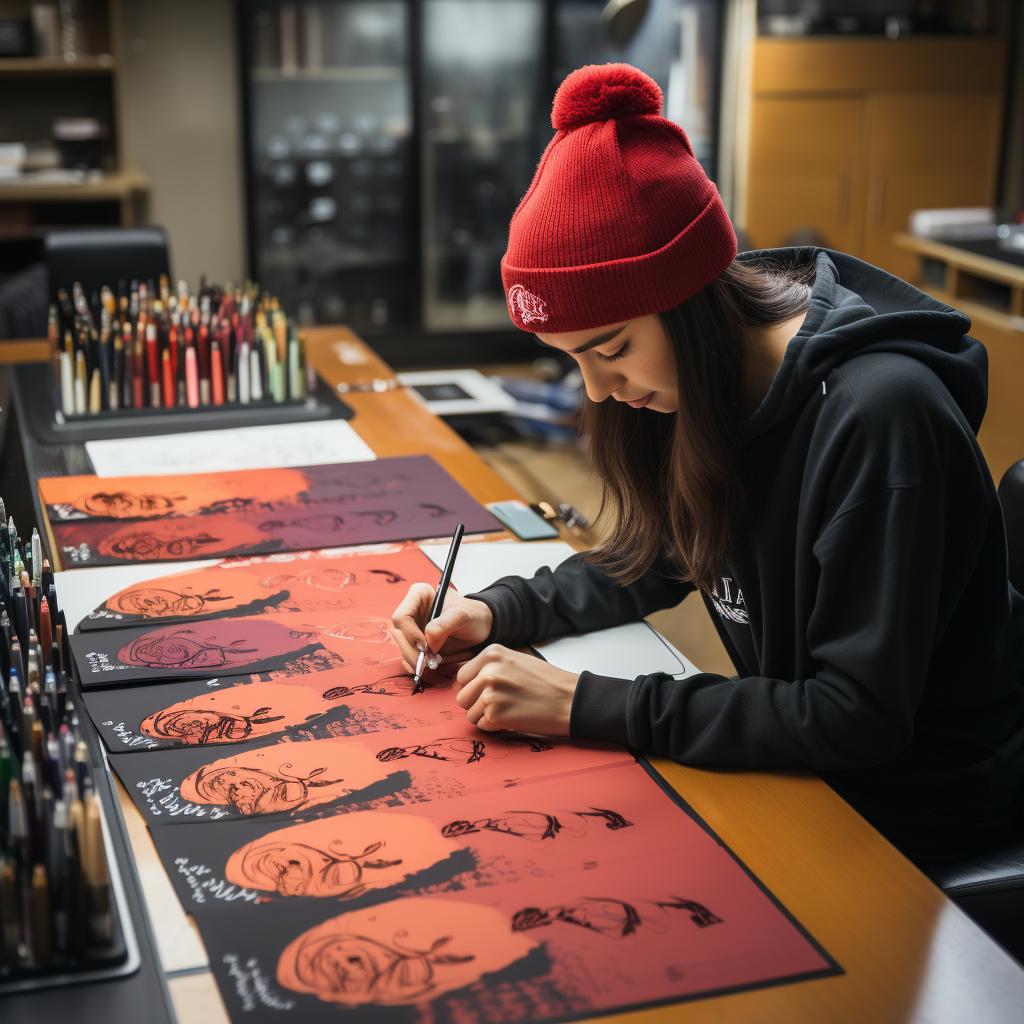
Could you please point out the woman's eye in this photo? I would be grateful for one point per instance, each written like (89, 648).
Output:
(616, 355)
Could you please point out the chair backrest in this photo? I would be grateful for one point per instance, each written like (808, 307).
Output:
(99, 256)
(1011, 497)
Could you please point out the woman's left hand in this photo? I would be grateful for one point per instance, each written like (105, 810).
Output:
(503, 689)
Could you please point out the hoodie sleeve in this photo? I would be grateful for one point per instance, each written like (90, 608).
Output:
(577, 597)
(869, 635)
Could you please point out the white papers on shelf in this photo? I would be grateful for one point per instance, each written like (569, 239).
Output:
(213, 451)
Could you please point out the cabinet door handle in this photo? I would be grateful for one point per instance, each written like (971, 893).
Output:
(879, 204)
(843, 203)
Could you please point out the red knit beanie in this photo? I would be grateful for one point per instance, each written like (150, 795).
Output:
(620, 220)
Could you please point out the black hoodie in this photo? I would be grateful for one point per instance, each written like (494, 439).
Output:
(866, 605)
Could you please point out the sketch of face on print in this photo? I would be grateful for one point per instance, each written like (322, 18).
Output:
(125, 505)
(400, 953)
(170, 540)
(218, 644)
(186, 648)
(235, 713)
(613, 918)
(163, 602)
(286, 777)
(342, 856)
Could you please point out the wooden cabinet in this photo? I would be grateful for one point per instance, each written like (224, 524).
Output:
(849, 136)
(925, 150)
(806, 170)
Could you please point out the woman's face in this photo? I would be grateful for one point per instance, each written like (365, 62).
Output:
(632, 362)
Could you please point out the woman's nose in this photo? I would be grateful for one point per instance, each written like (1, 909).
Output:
(598, 381)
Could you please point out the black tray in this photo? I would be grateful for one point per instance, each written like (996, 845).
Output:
(122, 957)
(34, 388)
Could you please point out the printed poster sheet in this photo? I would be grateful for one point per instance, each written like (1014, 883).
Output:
(530, 909)
(104, 521)
(286, 778)
(286, 619)
(352, 850)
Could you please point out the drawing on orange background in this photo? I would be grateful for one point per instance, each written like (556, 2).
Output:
(343, 856)
(245, 711)
(284, 777)
(141, 497)
(235, 713)
(400, 953)
(236, 646)
(218, 644)
(369, 582)
(235, 629)
(132, 519)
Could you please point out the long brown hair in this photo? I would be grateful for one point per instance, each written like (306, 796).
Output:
(671, 484)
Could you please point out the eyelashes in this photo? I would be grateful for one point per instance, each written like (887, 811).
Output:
(615, 355)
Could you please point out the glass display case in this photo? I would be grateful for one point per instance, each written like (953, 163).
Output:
(328, 94)
(388, 142)
(484, 108)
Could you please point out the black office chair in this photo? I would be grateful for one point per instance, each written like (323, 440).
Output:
(990, 888)
(99, 256)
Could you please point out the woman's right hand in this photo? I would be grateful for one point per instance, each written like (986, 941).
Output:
(462, 625)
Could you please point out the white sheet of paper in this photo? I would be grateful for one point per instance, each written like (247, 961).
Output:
(214, 451)
(623, 651)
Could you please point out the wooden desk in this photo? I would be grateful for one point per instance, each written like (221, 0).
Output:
(907, 952)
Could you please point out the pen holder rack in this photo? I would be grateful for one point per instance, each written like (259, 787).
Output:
(117, 958)
(37, 400)
(71, 922)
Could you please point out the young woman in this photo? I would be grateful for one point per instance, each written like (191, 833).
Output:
(792, 434)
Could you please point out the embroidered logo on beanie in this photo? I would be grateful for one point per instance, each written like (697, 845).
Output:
(525, 306)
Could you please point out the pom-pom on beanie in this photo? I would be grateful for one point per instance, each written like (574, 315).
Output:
(620, 219)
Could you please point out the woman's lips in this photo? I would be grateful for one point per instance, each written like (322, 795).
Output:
(641, 402)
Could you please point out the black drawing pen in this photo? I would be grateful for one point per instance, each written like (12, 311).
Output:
(442, 589)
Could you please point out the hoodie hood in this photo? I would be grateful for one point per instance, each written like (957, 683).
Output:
(856, 308)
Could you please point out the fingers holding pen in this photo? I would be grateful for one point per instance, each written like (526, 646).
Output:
(406, 618)
(453, 622)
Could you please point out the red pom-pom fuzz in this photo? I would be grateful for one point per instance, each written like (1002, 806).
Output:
(603, 92)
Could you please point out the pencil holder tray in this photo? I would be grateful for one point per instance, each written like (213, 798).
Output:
(118, 959)
(34, 393)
